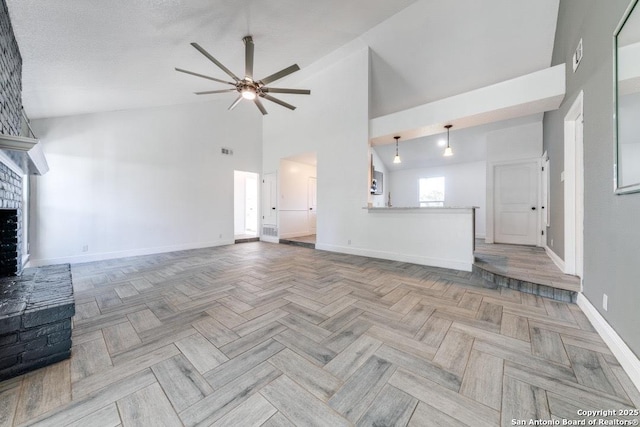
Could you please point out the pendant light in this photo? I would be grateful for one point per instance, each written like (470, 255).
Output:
(448, 151)
(396, 159)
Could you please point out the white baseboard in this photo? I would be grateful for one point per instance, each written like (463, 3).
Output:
(627, 358)
(555, 258)
(414, 259)
(101, 256)
(269, 239)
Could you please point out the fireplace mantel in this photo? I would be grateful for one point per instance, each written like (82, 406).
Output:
(29, 150)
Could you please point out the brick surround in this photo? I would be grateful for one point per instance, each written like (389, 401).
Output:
(10, 124)
(10, 77)
(10, 222)
(36, 305)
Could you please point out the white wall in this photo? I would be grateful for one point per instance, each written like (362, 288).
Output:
(333, 122)
(465, 186)
(293, 206)
(507, 145)
(140, 181)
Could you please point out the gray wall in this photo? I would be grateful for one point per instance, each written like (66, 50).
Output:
(611, 223)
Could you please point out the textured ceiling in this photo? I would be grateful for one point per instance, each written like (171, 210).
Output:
(93, 55)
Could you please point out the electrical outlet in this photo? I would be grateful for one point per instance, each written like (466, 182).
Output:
(220, 236)
(349, 242)
(551, 242)
(605, 302)
(85, 248)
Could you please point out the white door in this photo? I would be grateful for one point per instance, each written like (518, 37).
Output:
(516, 203)
(313, 203)
(269, 199)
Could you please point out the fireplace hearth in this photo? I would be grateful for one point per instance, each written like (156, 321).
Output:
(35, 319)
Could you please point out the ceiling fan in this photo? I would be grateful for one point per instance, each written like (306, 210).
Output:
(248, 88)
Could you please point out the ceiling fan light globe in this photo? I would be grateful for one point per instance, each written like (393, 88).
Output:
(248, 94)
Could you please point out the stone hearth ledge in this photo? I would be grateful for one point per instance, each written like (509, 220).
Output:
(35, 319)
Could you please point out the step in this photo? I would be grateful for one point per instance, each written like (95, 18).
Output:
(297, 243)
(565, 290)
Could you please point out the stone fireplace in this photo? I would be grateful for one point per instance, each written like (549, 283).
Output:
(36, 304)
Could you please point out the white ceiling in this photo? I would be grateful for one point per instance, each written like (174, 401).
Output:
(95, 55)
(435, 49)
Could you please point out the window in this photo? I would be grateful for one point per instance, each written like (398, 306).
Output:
(431, 192)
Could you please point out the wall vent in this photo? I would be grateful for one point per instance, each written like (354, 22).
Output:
(270, 230)
(577, 56)
(226, 151)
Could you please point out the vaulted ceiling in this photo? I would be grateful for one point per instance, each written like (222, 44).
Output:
(94, 55)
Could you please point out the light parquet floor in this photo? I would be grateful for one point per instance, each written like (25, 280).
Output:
(261, 334)
(527, 263)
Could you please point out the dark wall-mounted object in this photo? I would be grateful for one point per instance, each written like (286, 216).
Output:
(376, 184)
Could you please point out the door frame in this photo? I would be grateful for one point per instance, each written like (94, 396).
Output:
(265, 199)
(545, 199)
(312, 210)
(491, 192)
(241, 193)
(573, 179)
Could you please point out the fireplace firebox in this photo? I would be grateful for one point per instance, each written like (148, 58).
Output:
(9, 264)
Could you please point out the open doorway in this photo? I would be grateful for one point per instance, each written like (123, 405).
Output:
(245, 204)
(298, 201)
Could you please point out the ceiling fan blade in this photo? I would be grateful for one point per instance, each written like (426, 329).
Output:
(280, 74)
(236, 102)
(248, 57)
(204, 77)
(215, 61)
(260, 106)
(209, 92)
(280, 90)
(278, 101)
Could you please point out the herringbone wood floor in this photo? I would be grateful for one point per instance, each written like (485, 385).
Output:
(274, 335)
